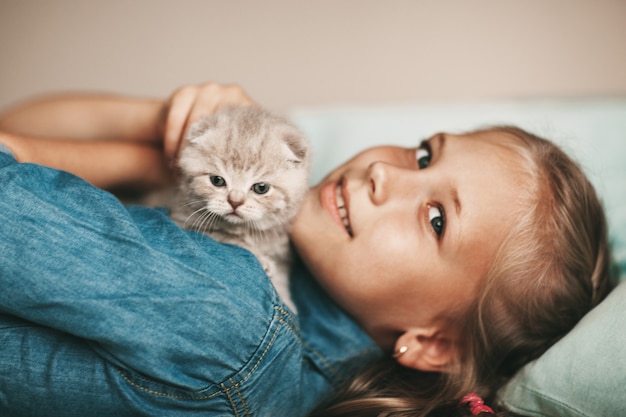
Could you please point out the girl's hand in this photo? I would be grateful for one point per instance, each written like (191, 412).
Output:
(188, 104)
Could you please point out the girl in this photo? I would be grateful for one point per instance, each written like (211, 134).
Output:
(462, 258)
(549, 269)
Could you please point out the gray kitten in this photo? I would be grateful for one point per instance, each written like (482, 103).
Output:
(244, 173)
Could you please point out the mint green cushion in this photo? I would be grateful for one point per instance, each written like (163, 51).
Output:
(584, 374)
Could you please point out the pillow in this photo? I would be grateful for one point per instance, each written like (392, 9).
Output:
(584, 374)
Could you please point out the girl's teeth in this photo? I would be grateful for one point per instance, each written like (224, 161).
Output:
(343, 213)
(340, 202)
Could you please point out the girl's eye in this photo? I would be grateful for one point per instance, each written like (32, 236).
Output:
(423, 155)
(217, 181)
(260, 188)
(437, 220)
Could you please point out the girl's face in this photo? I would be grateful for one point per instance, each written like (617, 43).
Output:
(401, 237)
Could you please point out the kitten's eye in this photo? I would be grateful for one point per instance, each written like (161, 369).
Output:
(423, 155)
(260, 188)
(437, 220)
(217, 181)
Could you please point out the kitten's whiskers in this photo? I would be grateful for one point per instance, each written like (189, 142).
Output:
(206, 220)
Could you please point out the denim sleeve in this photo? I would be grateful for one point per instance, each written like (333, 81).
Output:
(170, 304)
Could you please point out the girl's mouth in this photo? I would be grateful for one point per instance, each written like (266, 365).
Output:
(342, 207)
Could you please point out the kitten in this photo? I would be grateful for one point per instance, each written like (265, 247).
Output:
(244, 173)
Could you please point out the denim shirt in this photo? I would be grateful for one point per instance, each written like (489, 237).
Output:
(107, 310)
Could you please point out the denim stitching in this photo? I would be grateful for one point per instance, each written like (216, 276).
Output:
(289, 316)
(327, 364)
(258, 362)
(241, 398)
(230, 399)
(164, 394)
(236, 385)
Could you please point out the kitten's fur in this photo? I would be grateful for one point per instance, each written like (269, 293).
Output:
(244, 147)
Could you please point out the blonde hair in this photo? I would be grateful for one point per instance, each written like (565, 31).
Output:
(552, 268)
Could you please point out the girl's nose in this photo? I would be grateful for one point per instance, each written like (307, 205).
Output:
(378, 174)
(388, 181)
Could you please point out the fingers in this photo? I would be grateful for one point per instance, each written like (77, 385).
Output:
(188, 104)
(177, 112)
(211, 97)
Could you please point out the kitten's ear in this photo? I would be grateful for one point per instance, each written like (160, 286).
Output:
(297, 144)
(200, 127)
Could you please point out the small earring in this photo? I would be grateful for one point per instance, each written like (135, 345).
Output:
(401, 351)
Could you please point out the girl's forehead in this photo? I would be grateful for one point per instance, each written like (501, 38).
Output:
(500, 146)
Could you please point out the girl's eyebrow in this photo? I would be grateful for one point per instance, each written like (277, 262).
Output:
(440, 140)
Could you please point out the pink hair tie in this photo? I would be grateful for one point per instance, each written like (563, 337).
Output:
(475, 404)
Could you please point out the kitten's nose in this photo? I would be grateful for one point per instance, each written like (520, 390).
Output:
(235, 199)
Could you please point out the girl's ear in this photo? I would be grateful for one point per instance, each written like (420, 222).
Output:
(426, 349)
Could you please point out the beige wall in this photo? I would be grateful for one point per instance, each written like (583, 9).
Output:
(288, 53)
